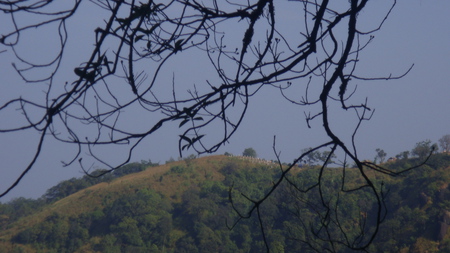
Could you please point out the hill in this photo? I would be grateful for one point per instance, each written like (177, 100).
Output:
(184, 206)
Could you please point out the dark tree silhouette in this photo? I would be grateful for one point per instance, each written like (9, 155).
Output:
(249, 152)
(381, 155)
(424, 148)
(246, 49)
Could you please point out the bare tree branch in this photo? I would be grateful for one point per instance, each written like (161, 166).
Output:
(247, 49)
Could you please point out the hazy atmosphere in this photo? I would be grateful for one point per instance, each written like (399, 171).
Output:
(408, 110)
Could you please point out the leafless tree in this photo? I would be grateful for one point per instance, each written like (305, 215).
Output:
(246, 49)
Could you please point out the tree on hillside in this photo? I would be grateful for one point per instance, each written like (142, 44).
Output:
(403, 155)
(242, 47)
(444, 142)
(315, 157)
(423, 149)
(381, 155)
(249, 152)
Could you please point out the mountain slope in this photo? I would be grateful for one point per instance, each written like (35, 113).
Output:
(184, 207)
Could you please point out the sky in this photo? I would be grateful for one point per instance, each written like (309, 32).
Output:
(411, 109)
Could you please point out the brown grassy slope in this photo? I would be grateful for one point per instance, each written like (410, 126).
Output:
(155, 178)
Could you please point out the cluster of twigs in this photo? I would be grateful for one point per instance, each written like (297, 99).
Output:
(138, 40)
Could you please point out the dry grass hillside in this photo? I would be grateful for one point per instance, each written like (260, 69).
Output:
(155, 178)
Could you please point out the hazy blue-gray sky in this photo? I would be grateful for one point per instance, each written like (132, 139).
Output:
(408, 110)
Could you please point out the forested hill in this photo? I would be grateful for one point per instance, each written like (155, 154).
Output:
(184, 206)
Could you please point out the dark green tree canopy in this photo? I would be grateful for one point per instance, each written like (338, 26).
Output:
(424, 148)
(249, 152)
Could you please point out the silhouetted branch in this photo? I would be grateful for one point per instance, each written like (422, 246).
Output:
(242, 49)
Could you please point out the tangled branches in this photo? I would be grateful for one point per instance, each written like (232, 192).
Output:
(240, 48)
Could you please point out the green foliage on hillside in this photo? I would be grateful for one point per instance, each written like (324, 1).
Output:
(195, 217)
(67, 187)
(21, 207)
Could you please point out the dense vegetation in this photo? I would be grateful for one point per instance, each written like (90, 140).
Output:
(184, 207)
(21, 207)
